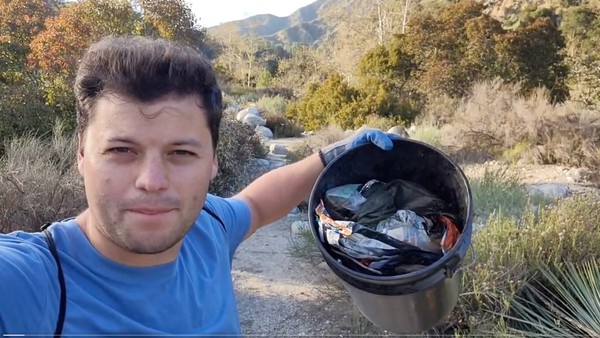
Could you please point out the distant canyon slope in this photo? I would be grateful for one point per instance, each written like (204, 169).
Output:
(326, 21)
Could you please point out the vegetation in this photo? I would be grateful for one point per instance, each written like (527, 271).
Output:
(520, 88)
(238, 146)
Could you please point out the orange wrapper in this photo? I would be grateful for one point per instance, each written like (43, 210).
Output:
(451, 235)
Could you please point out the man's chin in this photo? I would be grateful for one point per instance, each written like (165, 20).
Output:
(152, 246)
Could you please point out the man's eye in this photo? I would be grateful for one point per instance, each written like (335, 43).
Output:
(183, 153)
(120, 150)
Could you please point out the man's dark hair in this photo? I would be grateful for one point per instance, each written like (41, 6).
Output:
(145, 69)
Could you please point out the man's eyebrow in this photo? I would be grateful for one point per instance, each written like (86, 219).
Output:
(117, 139)
(181, 142)
(187, 142)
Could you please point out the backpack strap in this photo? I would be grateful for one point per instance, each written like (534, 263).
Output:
(215, 216)
(61, 280)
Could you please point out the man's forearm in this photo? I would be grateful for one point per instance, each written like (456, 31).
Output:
(275, 193)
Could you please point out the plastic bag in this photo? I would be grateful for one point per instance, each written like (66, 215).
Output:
(384, 199)
(409, 227)
(343, 201)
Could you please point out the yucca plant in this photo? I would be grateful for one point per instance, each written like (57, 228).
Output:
(564, 302)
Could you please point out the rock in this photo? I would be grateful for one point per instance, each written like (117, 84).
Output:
(264, 132)
(399, 130)
(550, 190)
(254, 120)
(578, 175)
(261, 162)
(248, 111)
(323, 266)
(259, 166)
(278, 149)
(299, 227)
(276, 164)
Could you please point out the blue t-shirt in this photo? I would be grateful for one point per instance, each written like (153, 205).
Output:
(191, 295)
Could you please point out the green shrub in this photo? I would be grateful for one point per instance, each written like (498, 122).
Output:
(430, 134)
(332, 102)
(380, 122)
(281, 126)
(563, 301)
(273, 110)
(511, 250)
(238, 146)
(22, 111)
(498, 192)
(274, 105)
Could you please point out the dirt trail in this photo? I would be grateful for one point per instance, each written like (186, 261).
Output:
(281, 295)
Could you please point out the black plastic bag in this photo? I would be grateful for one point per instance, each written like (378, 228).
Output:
(383, 199)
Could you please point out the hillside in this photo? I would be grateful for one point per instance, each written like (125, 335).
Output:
(324, 20)
(307, 25)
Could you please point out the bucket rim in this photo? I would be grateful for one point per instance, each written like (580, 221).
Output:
(450, 261)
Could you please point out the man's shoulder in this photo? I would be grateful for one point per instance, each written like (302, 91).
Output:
(21, 242)
(234, 215)
(23, 254)
(226, 206)
(27, 275)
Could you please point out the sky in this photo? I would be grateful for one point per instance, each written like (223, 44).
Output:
(214, 12)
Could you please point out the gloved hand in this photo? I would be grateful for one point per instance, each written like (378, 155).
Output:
(362, 136)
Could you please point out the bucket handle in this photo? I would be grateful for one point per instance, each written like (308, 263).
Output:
(473, 262)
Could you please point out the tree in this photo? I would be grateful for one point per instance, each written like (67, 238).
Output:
(20, 20)
(301, 67)
(451, 47)
(171, 20)
(56, 50)
(581, 27)
(245, 58)
(387, 81)
(532, 55)
(23, 110)
(332, 102)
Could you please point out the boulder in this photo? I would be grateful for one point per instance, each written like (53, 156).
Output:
(278, 149)
(578, 175)
(263, 132)
(399, 130)
(550, 190)
(247, 111)
(261, 162)
(254, 120)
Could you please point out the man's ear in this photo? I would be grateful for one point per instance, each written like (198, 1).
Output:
(80, 140)
(215, 168)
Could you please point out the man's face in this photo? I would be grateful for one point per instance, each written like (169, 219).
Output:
(146, 169)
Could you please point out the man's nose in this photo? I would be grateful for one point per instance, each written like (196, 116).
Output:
(153, 174)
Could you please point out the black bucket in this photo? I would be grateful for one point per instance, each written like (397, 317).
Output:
(415, 301)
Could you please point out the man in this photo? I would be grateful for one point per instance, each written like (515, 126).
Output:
(152, 252)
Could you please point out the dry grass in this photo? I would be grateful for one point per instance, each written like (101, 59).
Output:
(499, 122)
(39, 182)
(320, 139)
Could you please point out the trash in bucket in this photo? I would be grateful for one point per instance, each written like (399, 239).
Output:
(398, 250)
(374, 227)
